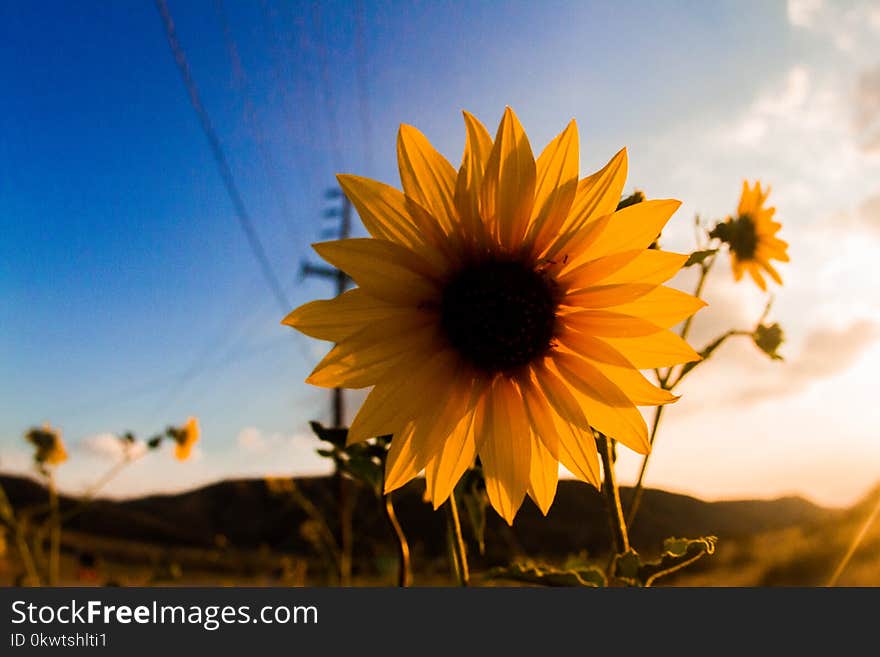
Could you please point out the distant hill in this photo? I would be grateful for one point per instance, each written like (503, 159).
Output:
(248, 516)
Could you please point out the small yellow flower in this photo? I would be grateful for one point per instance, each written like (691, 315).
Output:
(186, 437)
(504, 310)
(49, 448)
(751, 236)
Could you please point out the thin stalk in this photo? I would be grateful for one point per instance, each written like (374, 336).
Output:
(87, 498)
(612, 496)
(456, 541)
(346, 532)
(636, 497)
(704, 273)
(24, 550)
(638, 489)
(55, 534)
(320, 521)
(404, 571)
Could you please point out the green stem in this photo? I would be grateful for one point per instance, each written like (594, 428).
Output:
(636, 498)
(404, 571)
(612, 496)
(704, 273)
(638, 489)
(456, 542)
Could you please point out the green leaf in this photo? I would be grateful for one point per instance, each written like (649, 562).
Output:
(678, 553)
(627, 565)
(697, 257)
(675, 547)
(334, 436)
(365, 470)
(545, 575)
(768, 338)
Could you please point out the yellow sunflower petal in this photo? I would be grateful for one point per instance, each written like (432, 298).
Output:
(361, 360)
(755, 273)
(607, 406)
(556, 185)
(770, 269)
(663, 306)
(596, 196)
(478, 145)
(651, 266)
(506, 449)
(634, 266)
(559, 396)
(459, 450)
(457, 455)
(738, 268)
(382, 210)
(578, 452)
(543, 475)
(746, 202)
(634, 227)
(608, 324)
(338, 318)
(400, 464)
(508, 191)
(540, 415)
(586, 274)
(603, 296)
(422, 439)
(427, 177)
(383, 269)
(634, 385)
(662, 349)
(391, 404)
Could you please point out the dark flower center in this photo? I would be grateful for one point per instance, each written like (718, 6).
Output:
(740, 234)
(499, 314)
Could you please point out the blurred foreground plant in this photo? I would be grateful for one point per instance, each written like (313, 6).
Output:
(30, 533)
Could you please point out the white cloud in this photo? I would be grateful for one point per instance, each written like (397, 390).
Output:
(110, 447)
(866, 117)
(802, 13)
(782, 106)
(851, 27)
(252, 440)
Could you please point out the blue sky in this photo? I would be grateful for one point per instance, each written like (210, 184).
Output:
(132, 299)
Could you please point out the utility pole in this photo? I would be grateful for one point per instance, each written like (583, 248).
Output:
(337, 410)
(342, 280)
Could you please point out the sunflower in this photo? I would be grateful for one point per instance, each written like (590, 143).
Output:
(48, 446)
(503, 311)
(751, 236)
(186, 437)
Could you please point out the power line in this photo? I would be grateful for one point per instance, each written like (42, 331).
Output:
(363, 89)
(252, 117)
(327, 88)
(220, 158)
(294, 111)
